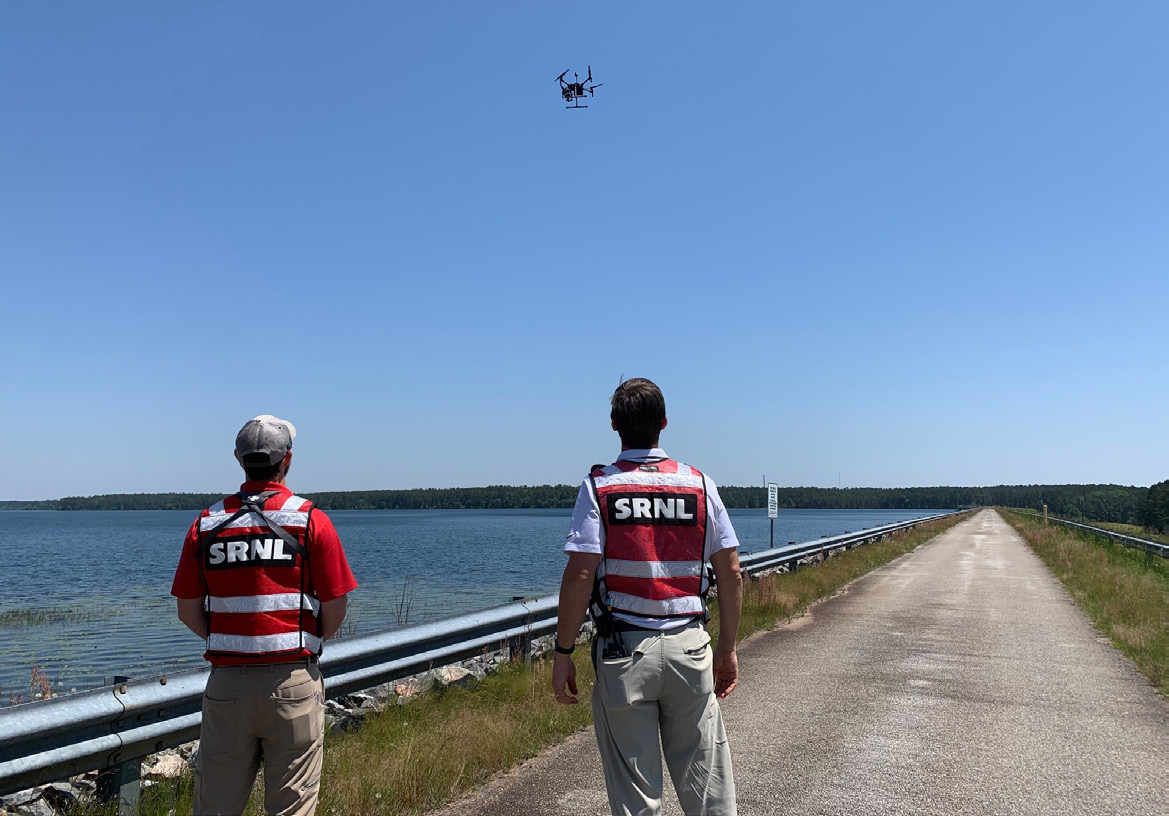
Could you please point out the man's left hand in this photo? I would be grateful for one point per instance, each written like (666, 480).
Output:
(564, 676)
(726, 673)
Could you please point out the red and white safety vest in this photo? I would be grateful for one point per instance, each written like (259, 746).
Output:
(259, 602)
(654, 514)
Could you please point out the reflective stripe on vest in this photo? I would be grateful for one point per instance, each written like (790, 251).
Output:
(258, 597)
(653, 569)
(277, 602)
(654, 515)
(262, 644)
(283, 518)
(612, 475)
(688, 606)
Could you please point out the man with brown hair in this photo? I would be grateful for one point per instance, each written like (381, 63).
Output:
(643, 531)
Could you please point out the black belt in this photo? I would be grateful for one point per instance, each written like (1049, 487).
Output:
(626, 626)
(294, 661)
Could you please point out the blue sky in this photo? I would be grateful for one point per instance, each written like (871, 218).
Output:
(897, 243)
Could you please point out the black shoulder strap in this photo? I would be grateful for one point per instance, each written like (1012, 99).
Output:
(254, 504)
(207, 536)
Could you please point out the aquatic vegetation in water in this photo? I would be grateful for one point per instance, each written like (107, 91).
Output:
(403, 602)
(40, 688)
(41, 616)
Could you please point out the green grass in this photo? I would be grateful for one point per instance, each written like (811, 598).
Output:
(418, 756)
(1134, 530)
(1124, 591)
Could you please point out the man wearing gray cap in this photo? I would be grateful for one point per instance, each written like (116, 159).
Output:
(263, 578)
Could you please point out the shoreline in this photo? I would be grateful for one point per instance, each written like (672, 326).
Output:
(1100, 502)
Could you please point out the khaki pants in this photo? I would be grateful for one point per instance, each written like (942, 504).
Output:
(659, 700)
(273, 714)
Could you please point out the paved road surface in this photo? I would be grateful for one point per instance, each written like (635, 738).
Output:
(960, 679)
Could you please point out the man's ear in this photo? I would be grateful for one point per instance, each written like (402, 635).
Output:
(665, 422)
(613, 424)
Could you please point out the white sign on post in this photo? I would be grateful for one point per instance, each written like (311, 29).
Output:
(772, 500)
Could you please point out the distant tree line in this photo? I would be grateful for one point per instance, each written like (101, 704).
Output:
(48, 504)
(1115, 503)
(1155, 510)
(493, 497)
(140, 501)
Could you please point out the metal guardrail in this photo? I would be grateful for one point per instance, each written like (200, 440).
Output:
(115, 726)
(1154, 547)
(792, 554)
(49, 740)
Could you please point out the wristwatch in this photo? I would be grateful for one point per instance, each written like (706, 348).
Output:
(560, 649)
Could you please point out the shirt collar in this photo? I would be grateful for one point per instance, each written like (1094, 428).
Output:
(263, 487)
(641, 454)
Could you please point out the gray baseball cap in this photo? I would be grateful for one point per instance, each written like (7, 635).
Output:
(264, 440)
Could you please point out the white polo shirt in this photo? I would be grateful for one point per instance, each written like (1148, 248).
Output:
(587, 534)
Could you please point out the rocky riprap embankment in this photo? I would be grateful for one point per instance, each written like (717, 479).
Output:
(346, 711)
(342, 714)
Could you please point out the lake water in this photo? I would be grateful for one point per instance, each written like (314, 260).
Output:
(97, 582)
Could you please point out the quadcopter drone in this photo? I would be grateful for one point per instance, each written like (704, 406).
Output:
(574, 91)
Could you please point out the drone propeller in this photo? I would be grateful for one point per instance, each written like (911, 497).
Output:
(561, 77)
(592, 88)
(590, 78)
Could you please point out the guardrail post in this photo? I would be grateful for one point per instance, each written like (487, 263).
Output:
(122, 782)
(1045, 515)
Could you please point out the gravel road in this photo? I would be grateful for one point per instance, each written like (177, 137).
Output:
(959, 679)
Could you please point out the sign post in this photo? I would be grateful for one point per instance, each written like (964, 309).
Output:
(772, 508)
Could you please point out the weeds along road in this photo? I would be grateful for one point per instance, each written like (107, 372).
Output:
(959, 679)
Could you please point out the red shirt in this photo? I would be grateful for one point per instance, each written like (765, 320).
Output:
(329, 574)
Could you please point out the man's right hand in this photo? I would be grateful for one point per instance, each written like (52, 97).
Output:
(564, 675)
(726, 673)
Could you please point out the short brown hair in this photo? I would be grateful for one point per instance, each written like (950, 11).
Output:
(639, 410)
(263, 473)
